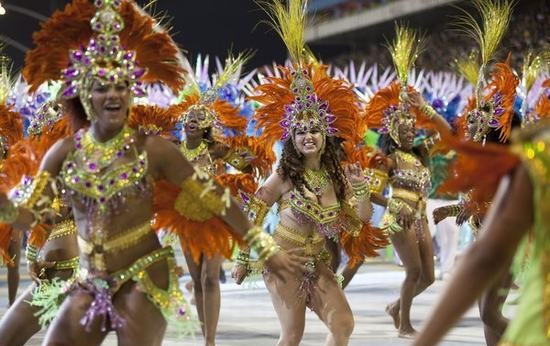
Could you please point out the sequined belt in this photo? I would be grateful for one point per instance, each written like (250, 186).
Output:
(121, 241)
(406, 195)
(309, 242)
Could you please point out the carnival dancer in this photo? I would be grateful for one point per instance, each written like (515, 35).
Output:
(11, 131)
(393, 110)
(127, 279)
(52, 260)
(520, 205)
(308, 111)
(489, 117)
(213, 137)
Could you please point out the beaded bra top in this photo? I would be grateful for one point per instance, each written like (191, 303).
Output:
(417, 178)
(328, 221)
(91, 174)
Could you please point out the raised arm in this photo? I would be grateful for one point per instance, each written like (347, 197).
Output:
(509, 219)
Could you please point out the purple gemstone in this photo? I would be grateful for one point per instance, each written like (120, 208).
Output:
(494, 122)
(92, 166)
(332, 131)
(71, 72)
(285, 123)
(88, 184)
(101, 199)
(330, 119)
(70, 165)
(181, 311)
(76, 180)
(77, 55)
(112, 182)
(119, 154)
(124, 175)
(499, 111)
(101, 72)
(331, 214)
(139, 72)
(100, 187)
(299, 203)
(438, 103)
(78, 146)
(135, 169)
(142, 162)
(70, 92)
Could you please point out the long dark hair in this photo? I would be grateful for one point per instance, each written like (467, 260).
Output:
(292, 167)
(74, 110)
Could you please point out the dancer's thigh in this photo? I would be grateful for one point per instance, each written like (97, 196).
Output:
(66, 328)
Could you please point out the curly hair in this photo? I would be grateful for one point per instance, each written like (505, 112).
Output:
(292, 167)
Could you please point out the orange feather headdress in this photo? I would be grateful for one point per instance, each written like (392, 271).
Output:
(305, 96)
(119, 36)
(496, 109)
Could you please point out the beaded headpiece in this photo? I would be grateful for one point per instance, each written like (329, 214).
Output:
(303, 95)
(494, 110)
(388, 109)
(205, 95)
(124, 43)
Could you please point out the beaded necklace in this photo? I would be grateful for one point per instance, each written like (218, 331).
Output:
(192, 154)
(317, 180)
(91, 172)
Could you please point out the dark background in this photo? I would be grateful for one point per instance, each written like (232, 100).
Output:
(199, 26)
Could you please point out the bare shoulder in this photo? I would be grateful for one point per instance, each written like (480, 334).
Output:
(57, 154)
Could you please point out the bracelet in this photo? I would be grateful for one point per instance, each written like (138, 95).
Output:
(243, 258)
(31, 253)
(428, 110)
(8, 212)
(361, 191)
(395, 206)
(262, 243)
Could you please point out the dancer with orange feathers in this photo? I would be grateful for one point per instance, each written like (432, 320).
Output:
(127, 280)
(311, 113)
(214, 136)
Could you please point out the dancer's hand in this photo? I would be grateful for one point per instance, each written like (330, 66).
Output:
(415, 99)
(239, 273)
(440, 214)
(37, 270)
(405, 218)
(355, 174)
(287, 262)
(463, 216)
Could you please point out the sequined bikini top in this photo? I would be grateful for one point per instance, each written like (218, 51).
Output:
(417, 178)
(91, 173)
(328, 221)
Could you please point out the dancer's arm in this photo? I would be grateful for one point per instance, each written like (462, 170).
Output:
(508, 221)
(25, 213)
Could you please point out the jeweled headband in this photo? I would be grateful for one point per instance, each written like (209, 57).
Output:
(104, 58)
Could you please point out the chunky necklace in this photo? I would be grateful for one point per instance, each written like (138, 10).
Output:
(193, 154)
(318, 181)
(409, 158)
(97, 155)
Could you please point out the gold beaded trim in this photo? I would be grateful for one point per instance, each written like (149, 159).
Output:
(63, 229)
(67, 264)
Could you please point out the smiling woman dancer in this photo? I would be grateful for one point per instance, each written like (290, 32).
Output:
(307, 110)
(127, 279)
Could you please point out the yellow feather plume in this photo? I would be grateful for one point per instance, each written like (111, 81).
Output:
(468, 67)
(495, 18)
(404, 50)
(289, 21)
(6, 80)
(532, 67)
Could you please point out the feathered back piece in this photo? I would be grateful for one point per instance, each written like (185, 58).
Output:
(70, 29)
(495, 18)
(11, 125)
(542, 109)
(304, 96)
(153, 120)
